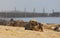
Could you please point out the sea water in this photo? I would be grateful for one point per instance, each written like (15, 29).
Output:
(39, 19)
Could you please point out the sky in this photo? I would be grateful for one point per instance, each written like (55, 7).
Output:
(48, 5)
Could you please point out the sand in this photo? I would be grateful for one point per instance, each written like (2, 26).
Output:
(19, 32)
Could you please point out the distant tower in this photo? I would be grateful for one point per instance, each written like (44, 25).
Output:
(15, 9)
(43, 10)
(52, 10)
(24, 9)
(15, 12)
(25, 12)
(34, 10)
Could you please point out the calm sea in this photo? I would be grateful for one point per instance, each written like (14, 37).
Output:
(39, 19)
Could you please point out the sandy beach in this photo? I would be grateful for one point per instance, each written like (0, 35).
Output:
(19, 32)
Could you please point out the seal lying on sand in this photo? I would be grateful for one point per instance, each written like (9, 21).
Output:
(11, 22)
(57, 28)
(34, 25)
(31, 25)
(19, 23)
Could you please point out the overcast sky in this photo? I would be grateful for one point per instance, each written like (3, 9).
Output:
(6, 5)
